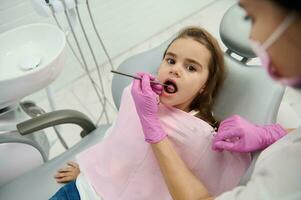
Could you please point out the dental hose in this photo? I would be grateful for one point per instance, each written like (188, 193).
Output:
(98, 36)
(77, 58)
(75, 54)
(95, 61)
(81, 53)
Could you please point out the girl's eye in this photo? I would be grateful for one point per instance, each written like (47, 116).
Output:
(191, 68)
(170, 61)
(247, 18)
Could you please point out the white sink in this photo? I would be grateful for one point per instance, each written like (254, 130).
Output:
(31, 57)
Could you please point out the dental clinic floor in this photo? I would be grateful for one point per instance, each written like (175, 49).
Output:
(127, 28)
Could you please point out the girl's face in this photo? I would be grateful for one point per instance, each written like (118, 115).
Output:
(285, 53)
(185, 69)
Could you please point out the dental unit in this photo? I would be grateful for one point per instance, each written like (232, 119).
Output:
(72, 13)
(33, 51)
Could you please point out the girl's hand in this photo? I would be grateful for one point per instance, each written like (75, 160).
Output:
(68, 173)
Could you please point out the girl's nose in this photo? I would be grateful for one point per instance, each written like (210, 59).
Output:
(175, 71)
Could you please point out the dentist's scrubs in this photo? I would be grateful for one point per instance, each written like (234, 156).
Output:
(277, 173)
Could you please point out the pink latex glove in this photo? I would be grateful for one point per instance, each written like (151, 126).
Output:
(145, 98)
(237, 134)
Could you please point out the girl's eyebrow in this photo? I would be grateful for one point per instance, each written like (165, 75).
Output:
(171, 54)
(195, 62)
(241, 5)
(244, 6)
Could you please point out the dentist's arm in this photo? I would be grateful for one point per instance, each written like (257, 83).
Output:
(181, 183)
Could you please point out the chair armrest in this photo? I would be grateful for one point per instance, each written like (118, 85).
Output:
(12, 137)
(56, 118)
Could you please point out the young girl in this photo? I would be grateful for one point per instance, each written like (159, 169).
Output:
(122, 166)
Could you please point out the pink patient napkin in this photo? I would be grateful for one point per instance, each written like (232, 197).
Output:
(123, 166)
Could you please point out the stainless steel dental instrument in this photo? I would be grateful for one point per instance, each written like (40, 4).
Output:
(136, 77)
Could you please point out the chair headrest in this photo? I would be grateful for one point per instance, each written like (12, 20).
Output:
(234, 32)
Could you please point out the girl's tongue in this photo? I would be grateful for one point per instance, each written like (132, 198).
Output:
(171, 87)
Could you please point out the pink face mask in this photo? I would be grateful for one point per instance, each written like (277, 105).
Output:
(261, 51)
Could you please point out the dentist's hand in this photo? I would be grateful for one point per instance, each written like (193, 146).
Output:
(237, 134)
(144, 95)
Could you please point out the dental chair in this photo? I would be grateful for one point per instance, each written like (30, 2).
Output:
(247, 91)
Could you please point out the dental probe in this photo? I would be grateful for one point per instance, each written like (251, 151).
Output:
(136, 77)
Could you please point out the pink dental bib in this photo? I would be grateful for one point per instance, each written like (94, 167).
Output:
(123, 166)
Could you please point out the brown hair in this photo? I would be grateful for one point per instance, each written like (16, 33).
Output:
(291, 5)
(205, 100)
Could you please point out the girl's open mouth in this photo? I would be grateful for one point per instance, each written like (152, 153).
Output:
(171, 87)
